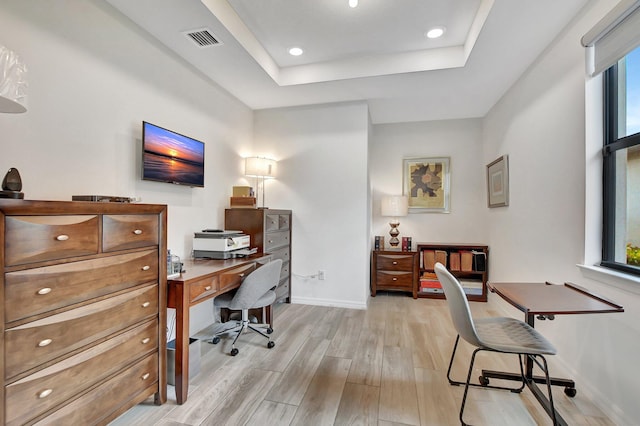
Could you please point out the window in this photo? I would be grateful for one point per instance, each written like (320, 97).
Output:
(621, 161)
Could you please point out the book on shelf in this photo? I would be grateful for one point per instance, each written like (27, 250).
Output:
(479, 261)
(406, 244)
(429, 280)
(428, 259)
(378, 242)
(472, 287)
(441, 257)
(454, 261)
(466, 261)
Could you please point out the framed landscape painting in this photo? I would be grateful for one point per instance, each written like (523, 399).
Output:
(426, 184)
(498, 182)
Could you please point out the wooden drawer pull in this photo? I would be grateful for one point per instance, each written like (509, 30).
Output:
(45, 393)
(62, 237)
(146, 304)
(45, 342)
(45, 290)
(207, 288)
(146, 267)
(395, 263)
(241, 275)
(394, 279)
(145, 340)
(138, 232)
(145, 376)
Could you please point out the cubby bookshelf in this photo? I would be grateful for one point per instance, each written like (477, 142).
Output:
(469, 263)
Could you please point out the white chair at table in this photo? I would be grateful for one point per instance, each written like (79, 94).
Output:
(256, 291)
(494, 334)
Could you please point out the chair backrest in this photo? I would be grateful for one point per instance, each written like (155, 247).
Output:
(256, 285)
(458, 305)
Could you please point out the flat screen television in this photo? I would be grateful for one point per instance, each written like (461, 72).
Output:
(171, 157)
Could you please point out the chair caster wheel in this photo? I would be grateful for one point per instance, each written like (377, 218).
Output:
(215, 340)
(271, 344)
(269, 330)
(484, 381)
(570, 392)
(234, 352)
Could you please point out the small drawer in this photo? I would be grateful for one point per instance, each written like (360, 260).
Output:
(394, 279)
(395, 262)
(203, 288)
(35, 291)
(120, 232)
(272, 222)
(282, 291)
(233, 277)
(284, 271)
(284, 221)
(132, 384)
(274, 240)
(30, 239)
(33, 344)
(35, 394)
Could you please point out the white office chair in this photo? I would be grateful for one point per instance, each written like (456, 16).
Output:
(497, 334)
(256, 291)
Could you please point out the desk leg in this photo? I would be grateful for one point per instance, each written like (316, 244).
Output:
(182, 345)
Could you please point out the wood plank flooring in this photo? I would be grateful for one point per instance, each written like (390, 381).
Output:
(332, 366)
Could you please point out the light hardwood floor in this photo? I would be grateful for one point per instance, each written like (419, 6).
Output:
(332, 366)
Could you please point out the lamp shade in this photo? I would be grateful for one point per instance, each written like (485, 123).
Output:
(13, 82)
(260, 167)
(395, 205)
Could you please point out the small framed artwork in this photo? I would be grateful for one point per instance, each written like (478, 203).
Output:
(426, 184)
(498, 182)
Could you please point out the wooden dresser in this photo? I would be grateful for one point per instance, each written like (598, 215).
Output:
(270, 232)
(394, 269)
(83, 300)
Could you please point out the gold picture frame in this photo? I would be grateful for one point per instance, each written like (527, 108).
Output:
(498, 182)
(426, 183)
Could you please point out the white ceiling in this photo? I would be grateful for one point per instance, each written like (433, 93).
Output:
(376, 52)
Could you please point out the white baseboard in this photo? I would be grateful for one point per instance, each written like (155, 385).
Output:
(327, 302)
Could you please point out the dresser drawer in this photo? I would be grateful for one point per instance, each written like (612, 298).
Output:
(284, 271)
(32, 344)
(395, 262)
(282, 291)
(203, 288)
(90, 409)
(121, 232)
(283, 253)
(35, 394)
(34, 291)
(30, 239)
(275, 222)
(233, 277)
(275, 240)
(397, 279)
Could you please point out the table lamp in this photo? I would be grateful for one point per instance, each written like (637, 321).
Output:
(259, 167)
(395, 206)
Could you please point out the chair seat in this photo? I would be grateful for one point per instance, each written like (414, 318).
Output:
(225, 301)
(511, 335)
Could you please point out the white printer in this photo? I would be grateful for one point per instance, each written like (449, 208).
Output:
(220, 244)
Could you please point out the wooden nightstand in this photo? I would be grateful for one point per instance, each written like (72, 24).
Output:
(394, 270)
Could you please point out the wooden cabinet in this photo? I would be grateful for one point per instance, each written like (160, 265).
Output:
(469, 263)
(270, 232)
(394, 270)
(83, 306)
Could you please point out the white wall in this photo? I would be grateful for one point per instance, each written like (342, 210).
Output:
(322, 176)
(461, 140)
(93, 78)
(540, 123)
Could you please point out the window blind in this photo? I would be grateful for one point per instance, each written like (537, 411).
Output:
(617, 34)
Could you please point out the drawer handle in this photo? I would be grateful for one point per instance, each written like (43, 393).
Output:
(62, 237)
(146, 304)
(45, 393)
(241, 275)
(270, 241)
(45, 290)
(45, 342)
(138, 232)
(145, 376)
(146, 267)
(145, 340)
(207, 288)
(394, 279)
(394, 262)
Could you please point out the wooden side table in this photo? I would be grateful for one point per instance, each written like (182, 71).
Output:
(394, 270)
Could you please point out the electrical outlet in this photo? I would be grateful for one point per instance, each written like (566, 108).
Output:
(321, 275)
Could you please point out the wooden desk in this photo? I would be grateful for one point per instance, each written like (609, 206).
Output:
(202, 280)
(545, 301)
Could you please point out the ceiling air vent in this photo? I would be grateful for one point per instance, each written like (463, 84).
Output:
(202, 37)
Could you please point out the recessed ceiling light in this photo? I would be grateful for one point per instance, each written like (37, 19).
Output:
(353, 3)
(435, 32)
(295, 51)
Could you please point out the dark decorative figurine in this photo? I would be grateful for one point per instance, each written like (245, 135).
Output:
(12, 185)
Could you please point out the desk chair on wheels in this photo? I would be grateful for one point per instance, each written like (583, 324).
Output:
(256, 291)
(496, 334)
